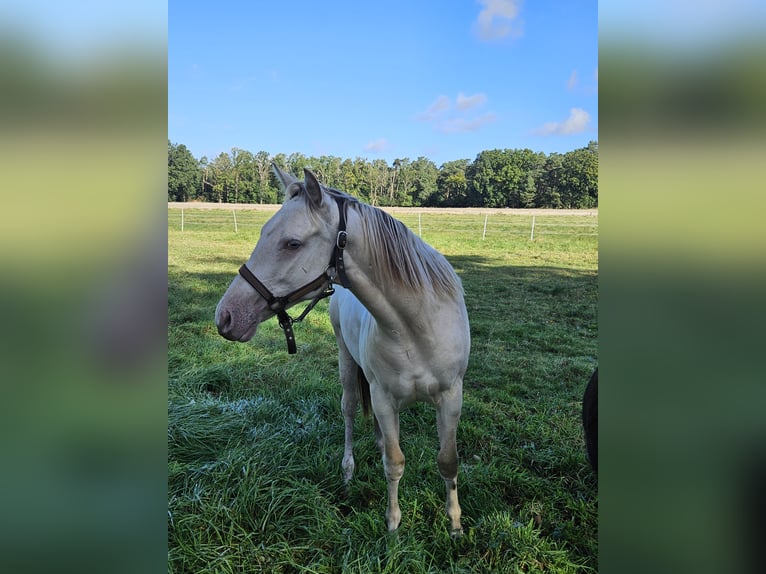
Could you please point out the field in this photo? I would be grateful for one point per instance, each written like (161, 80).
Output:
(255, 436)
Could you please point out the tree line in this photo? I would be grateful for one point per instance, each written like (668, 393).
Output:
(512, 178)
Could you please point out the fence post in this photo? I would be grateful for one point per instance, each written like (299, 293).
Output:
(182, 219)
(532, 235)
(420, 229)
(234, 212)
(484, 234)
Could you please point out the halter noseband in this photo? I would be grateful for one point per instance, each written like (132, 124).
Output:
(280, 304)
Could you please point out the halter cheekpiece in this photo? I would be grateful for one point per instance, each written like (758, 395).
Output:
(335, 268)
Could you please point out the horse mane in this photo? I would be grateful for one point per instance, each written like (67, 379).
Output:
(398, 255)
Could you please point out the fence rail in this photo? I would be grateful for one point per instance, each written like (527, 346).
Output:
(505, 222)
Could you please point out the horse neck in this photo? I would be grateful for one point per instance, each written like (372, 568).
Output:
(392, 307)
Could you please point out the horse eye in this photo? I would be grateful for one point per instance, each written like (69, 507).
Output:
(293, 244)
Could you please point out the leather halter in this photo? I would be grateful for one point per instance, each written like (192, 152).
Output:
(336, 267)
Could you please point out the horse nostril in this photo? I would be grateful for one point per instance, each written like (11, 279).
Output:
(224, 322)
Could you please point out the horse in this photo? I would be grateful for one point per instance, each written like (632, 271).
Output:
(397, 310)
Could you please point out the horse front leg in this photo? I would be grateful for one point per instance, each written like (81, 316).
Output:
(348, 404)
(447, 418)
(393, 459)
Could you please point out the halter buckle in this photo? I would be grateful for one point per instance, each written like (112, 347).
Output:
(341, 240)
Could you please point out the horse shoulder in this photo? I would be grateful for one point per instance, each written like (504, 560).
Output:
(350, 320)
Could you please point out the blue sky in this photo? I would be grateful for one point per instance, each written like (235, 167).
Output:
(441, 79)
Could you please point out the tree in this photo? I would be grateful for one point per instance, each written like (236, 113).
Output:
(528, 191)
(360, 175)
(348, 181)
(451, 185)
(424, 176)
(265, 192)
(295, 163)
(579, 177)
(548, 184)
(402, 181)
(379, 182)
(222, 177)
(327, 169)
(495, 178)
(492, 176)
(505, 178)
(243, 172)
(183, 173)
(530, 165)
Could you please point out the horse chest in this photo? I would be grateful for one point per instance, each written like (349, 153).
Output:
(405, 376)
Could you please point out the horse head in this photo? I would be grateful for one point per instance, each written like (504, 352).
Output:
(290, 257)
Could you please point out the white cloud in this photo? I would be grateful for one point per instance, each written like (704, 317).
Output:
(496, 19)
(572, 81)
(377, 146)
(450, 118)
(460, 125)
(468, 102)
(441, 104)
(576, 123)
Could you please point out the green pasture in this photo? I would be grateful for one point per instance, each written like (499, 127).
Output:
(255, 436)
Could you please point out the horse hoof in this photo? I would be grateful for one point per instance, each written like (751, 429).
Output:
(456, 533)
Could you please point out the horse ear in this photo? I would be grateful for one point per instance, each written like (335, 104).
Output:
(313, 188)
(285, 179)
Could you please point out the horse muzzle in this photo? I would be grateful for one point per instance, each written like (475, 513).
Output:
(235, 328)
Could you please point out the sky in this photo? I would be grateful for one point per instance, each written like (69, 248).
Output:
(397, 79)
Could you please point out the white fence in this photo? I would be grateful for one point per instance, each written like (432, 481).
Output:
(482, 222)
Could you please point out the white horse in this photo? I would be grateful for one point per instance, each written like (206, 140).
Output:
(400, 322)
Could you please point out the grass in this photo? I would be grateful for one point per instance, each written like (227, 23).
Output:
(255, 437)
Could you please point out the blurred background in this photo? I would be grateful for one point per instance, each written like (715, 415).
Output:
(83, 143)
(83, 286)
(682, 278)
